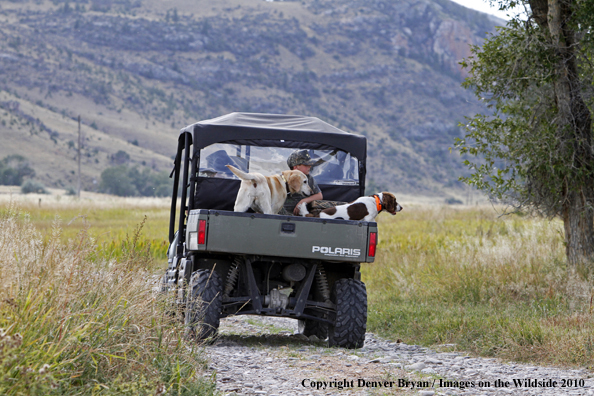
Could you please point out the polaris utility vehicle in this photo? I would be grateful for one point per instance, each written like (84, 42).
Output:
(224, 263)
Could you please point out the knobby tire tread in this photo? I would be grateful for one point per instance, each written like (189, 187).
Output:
(309, 327)
(350, 297)
(203, 313)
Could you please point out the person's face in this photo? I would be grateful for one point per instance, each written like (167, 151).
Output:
(303, 168)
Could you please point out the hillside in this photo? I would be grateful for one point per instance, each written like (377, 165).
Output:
(136, 71)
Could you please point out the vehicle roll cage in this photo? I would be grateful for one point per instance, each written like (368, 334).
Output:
(266, 130)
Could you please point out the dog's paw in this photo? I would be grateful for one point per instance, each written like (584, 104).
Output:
(303, 210)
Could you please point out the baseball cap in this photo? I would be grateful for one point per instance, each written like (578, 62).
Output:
(300, 157)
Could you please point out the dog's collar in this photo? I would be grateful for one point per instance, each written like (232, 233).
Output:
(378, 203)
(286, 183)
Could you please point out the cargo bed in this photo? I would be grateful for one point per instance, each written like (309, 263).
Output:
(283, 236)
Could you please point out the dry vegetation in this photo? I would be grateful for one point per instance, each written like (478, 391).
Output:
(496, 286)
(79, 315)
(76, 323)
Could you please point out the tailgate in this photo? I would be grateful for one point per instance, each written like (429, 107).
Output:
(284, 236)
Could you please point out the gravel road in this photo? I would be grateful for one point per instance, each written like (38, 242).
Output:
(265, 356)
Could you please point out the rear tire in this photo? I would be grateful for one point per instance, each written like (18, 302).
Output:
(350, 297)
(203, 309)
(309, 327)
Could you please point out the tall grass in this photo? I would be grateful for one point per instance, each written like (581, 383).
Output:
(110, 222)
(74, 324)
(494, 286)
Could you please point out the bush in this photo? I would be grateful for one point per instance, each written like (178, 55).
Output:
(13, 169)
(33, 187)
(120, 158)
(115, 180)
(453, 201)
(128, 182)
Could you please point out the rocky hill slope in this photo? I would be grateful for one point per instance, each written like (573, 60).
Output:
(136, 71)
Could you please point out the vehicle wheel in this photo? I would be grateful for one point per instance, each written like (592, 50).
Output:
(309, 327)
(203, 309)
(350, 297)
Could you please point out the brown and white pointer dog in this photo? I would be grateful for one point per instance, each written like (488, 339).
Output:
(364, 208)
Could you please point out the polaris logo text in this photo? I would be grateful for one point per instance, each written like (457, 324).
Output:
(342, 252)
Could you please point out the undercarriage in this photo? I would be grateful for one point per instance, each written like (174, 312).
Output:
(328, 298)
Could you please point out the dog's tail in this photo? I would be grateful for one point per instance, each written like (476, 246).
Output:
(241, 174)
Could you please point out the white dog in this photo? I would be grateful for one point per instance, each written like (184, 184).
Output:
(267, 194)
(363, 208)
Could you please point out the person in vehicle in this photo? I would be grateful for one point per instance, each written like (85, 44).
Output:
(301, 160)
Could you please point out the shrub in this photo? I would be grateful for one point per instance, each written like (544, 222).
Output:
(13, 169)
(115, 180)
(33, 187)
(453, 201)
(125, 181)
(120, 158)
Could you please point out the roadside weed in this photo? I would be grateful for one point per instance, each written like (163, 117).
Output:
(73, 323)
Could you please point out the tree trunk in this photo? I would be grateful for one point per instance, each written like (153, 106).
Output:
(579, 230)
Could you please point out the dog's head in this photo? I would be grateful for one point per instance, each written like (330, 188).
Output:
(297, 182)
(389, 203)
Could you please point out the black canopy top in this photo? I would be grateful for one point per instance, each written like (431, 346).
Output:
(274, 130)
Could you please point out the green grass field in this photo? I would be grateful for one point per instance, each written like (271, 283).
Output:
(77, 318)
(109, 224)
(494, 286)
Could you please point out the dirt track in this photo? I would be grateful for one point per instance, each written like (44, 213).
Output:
(264, 356)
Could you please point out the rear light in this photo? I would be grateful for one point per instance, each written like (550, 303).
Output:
(201, 232)
(372, 244)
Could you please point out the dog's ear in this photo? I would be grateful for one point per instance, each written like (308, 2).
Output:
(389, 202)
(295, 180)
(292, 182)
